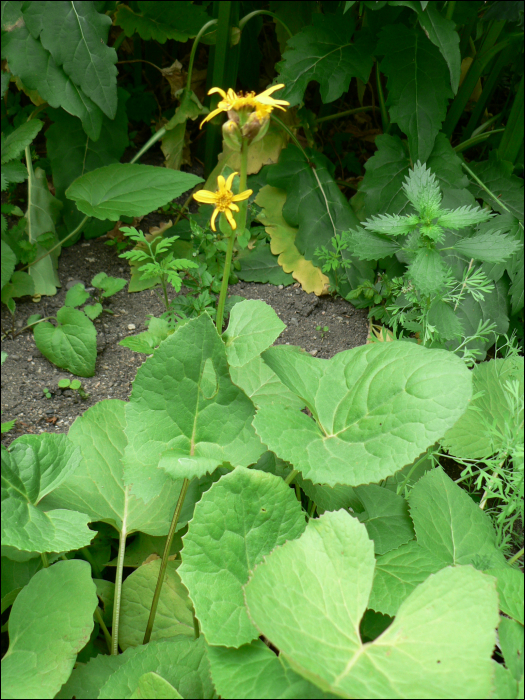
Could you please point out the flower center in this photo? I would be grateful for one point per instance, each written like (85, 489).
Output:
(223, 200)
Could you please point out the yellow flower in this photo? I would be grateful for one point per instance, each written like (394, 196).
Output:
(223, 199)
(231, 101)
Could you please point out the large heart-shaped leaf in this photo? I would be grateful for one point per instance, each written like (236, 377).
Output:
(252, 328)
(309, 596)
(128, 189)
(71, 344)
(236, 523)
(50, 623)
(185, 415)
(34, 466)
(374, 409)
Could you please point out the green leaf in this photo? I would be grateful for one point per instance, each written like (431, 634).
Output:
(72, 344)
(511, 641)
(418, 86)
(309, 596)
(324, 52)
(151, 685)
(174, 140)
(510, 590)
(34, 64)
(260, 265)
(97, 486)
(14, 144)
(490, 247)
(441, 315)
(262, 385)
(462, 217)
(181, 661)
(33, 468)
(175, 611)
(170, 417)
(391, 225)
(489, 425)
(397, 574)
(57, 606)
(236, 523)
(375, 409)
(314, 204)
(506, 188)
(13, 172)
(158, 21)
(76, 296)
(254, 671)
(93, 311)
(455, 530)
(128, 189)
(147, 341)
(422, 190)
(87, 679)
(8, 263)
(16, 575)
(385, 517)
(370, 246)
(110, 285)
(252, 328)
(442, 33)
(427, 271)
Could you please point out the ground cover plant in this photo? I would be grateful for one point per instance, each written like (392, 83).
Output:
(256, 521)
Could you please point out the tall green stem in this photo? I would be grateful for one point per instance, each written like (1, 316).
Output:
(241, 224)
(118, 589)
(164, 562)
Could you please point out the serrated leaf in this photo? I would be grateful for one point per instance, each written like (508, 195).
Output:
(185, 434)
(110, 285)
(322, 582)
(489, 247)
(369, 420)
(72, 344)
(236, 523)
(158, 21)
(8, 263)
(506, 188)
(13, 172)
(252, 328)
(181, 661)
(97, 486)
(174, 614)
(76, 296)
(38, 70)
(260, 265)
(463, 217)
(324, 52)
(427, 271)
(14, 144)
(92, 311)
(128, 189)
(391, 225)
(57, 605)
(370, 246)
(262, 385)
(418, 86)
(441, 315)
(33, 468)
(455, 530)
(488, 426)
(254, 671)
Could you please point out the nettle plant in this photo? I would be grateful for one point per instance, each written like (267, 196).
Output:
(430, 295)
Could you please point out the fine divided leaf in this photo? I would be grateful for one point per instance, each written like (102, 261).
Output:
(309, 596)
(236, 523)
(375, 409)
(325, 52)
(418, 86)
(50, 623)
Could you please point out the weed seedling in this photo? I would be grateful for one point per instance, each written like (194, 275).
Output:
(74, 384)
(46, 392)
(323, 330)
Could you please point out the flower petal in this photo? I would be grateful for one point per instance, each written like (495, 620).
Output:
(210, 116)
(271, 89)
(221, 182)
(229, 181)
(242, 195)
(219, 90)
(230, 218)
(213, 217)
(205, 197)
(233, 207)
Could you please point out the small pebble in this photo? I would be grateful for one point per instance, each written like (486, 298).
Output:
(294, 321)
(281, 286)
(313, 353)
(131, 326)
(339, 318)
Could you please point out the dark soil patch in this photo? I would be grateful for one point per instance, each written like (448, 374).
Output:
(26, 371)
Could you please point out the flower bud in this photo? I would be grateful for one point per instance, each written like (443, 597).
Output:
(255, 127)
(232, 135)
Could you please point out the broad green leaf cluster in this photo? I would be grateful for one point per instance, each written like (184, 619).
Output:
(378, 581)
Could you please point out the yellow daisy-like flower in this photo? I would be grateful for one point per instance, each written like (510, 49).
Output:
(263, 103)
(223, 199)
